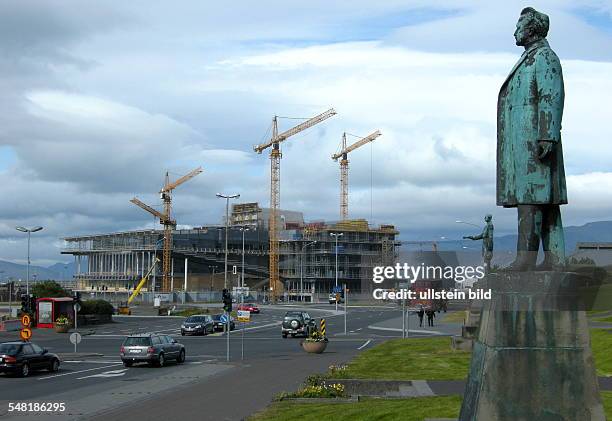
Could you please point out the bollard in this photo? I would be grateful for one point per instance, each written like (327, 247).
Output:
(323, 328)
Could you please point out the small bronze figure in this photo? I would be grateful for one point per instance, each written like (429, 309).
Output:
(487, 242)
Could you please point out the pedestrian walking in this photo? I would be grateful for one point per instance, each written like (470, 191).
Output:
(430, 316)
(421, 313)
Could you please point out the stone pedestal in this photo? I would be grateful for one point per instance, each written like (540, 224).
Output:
(532, 359)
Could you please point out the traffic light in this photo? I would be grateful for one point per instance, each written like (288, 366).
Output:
(32, 304)
(227, 301)
(25, 303)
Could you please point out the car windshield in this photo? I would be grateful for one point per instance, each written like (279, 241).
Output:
(293, 314)
(137, 341)
(195, 319)
(9, 349)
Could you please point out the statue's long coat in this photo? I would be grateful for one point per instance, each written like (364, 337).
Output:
(529, 110)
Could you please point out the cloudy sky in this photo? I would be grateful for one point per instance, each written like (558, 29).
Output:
(98, 102)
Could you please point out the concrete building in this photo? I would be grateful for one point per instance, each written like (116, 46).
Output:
(117, 261)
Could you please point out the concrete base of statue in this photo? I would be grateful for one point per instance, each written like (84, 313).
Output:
(532, 357)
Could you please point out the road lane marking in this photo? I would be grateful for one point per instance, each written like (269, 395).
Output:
(396, 329)
(112, 373)
(77, 372)
(365, 344)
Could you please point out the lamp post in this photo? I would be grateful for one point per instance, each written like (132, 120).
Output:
(227, 199)
(29, 231)
(243, 229)
(336, 235)
(302, 270)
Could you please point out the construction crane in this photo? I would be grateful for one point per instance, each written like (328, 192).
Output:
(275, 157)
(165, 218)
(124, 307)
(344, 168)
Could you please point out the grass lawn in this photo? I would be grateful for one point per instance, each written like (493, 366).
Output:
(415, 409)
(607, 403)
(410, 359)
(603, 319)
(601, 341)
(453, 317)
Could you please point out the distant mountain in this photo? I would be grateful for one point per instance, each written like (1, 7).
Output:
(57, 272)
(600, 231)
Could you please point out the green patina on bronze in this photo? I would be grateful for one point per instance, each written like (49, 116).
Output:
(530, 170)
(487, 241)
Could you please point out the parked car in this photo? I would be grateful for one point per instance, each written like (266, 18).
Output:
(332, 298)
(198, 325)
(22, 358)
(152, 348)
(297, 323)
(250, 307)
(219, 325)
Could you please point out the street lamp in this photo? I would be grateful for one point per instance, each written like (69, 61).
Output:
(336, 235)
(302, 269)
(212, 279)
(227, 199)
(29, 231)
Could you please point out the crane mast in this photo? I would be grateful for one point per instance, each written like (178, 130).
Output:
(343, 156)
(165, 218)
(275, 157)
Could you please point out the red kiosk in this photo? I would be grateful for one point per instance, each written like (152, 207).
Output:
(49, 309)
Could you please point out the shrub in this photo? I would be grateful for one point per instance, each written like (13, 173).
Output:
(49, 289)
(96, 307)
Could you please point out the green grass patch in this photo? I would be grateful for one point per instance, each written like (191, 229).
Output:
(416, 409)
(601, 342)
(410, 359)
(454, 317)
(606, 397)
(603, 319)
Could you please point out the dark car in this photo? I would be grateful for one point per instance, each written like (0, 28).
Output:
(152, 348)
(297, 323)
(23, 357)
(197, 325)
(219, 325)
(250, 307)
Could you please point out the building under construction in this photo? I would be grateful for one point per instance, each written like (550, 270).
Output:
(307, 264)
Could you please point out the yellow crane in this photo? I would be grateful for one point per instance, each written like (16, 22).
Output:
(124, 307)
(344, 168)
(275, 157)
(165, 218)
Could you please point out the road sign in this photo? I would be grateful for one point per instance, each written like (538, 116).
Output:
(77, 307)
(240, 291)
(25, 320)
(25, 333)
(235, 270)
(75, 338)
(244, 316)
(337, 288)
(223, 318)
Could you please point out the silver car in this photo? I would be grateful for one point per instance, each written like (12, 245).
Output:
(152, 348)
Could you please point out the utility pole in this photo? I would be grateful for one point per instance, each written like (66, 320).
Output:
(302, 269)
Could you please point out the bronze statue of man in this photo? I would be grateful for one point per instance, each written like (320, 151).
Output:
(530, 172)
(487, 242)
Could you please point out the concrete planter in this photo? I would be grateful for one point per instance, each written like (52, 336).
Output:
(62, 327)
(314, 347)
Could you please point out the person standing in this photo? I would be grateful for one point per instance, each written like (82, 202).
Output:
(421, 313)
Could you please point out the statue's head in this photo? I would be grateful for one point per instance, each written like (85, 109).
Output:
(531, 26)
(488, 218)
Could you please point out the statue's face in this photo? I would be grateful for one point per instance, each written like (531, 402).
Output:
(488, 218)
(523, 31)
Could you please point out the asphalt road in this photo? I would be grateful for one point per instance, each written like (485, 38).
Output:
(93, 384)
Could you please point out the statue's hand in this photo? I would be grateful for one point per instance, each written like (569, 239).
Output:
(545, 148)
(467, 237)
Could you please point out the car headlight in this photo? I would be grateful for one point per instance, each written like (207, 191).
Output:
(182, 326)
(198, 326)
